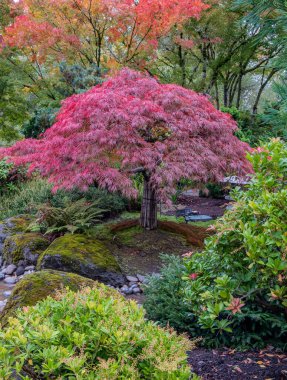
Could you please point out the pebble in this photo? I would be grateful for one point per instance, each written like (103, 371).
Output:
(141, 278)
(10, 269)
(132, 278)
(30, 268)
(20, 270)
(7, 293)
(28, 272)
(10, 280)
(2, 304)
(136, 290)
(2, 276)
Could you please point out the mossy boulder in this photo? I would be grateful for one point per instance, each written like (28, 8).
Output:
(39, 285)
(83, 255)
(12, 226)
(27, 247)
(15, 224)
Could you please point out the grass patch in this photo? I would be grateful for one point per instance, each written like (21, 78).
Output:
(164, 218)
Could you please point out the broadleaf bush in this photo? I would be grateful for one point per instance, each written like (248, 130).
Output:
(91, 335)
(237, 287)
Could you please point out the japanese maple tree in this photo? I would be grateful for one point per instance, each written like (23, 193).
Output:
(90, 31)
(133, 124)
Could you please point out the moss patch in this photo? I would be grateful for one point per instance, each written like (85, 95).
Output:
(27, 247)
(128, 236)
(81, 249)
(139, 251)
(39, 285)
(83, 255)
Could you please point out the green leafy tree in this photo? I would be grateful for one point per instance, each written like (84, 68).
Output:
(221, 55)
(13, 105)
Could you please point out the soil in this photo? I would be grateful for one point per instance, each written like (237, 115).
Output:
(138, 251)
(205, 206)
(231, 365)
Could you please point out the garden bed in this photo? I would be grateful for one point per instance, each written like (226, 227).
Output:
(232, 365)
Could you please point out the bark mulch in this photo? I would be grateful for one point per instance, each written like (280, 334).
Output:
(232, 365)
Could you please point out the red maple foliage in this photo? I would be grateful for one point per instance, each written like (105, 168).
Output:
(120, 32)
(133, 124)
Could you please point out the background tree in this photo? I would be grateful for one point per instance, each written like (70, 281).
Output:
(272, 18)
(58, 49)
(132, 124)
(95, 31)
(222, 55)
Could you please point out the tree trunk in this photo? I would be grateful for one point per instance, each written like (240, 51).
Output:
(181, 56)
(262, 88)
(149, 206)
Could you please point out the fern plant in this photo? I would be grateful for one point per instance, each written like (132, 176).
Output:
(78, 216)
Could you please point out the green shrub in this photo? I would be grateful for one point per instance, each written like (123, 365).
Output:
(252, 128)
(91, 335)
(237, 287)
(28, 196)
(9, 177)
(164, 297)
(112, 203)
(215, 190)
(74, 217)
(42, 119)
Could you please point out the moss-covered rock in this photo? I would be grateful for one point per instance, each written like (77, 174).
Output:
(12, 226)
(39, 285)
(17, 224)
(27, 247)
(83, 255)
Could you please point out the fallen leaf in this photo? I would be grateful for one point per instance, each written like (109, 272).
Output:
(238, 369)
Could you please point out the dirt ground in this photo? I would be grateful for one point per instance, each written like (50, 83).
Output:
(206, 206)
(138, 251)
(231, 365)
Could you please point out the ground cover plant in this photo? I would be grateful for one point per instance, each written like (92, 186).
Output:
(92, 334)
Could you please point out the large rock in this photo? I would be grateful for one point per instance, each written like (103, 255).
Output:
(39, 285)
(26, 247)
(82, 255)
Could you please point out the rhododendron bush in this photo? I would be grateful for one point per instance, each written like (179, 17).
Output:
(133, 124)
(237, 287)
